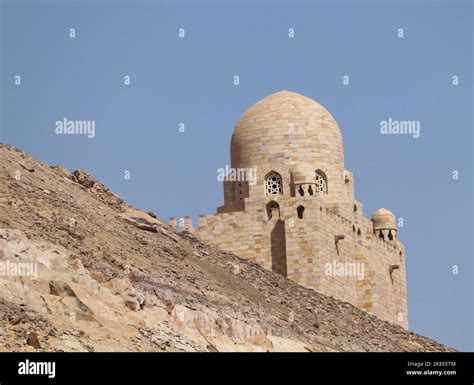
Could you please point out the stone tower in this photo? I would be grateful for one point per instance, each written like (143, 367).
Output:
(289, 205)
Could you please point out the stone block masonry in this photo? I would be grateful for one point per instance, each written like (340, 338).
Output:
(301, 219)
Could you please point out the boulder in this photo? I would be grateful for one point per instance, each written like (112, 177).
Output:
(141, 220)
(84, 178)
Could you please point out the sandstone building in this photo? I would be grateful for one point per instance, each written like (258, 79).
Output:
(290, 206)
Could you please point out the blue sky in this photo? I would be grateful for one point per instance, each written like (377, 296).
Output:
(190, 80)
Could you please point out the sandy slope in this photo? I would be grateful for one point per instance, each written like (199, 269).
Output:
(114, 278)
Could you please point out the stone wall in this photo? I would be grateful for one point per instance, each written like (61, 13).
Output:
(311, 250)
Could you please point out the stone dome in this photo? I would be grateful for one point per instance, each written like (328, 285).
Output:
(288, 128)
(384, 219)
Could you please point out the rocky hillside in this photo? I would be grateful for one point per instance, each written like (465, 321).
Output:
(112, 278)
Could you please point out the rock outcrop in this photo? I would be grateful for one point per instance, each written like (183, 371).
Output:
(100, 275)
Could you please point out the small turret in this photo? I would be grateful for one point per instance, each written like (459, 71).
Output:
(306, 180)
(385, 224)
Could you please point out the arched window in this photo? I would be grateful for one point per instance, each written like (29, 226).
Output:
(273, 184)
(300, 211)
(273, 210)
(321, 182)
